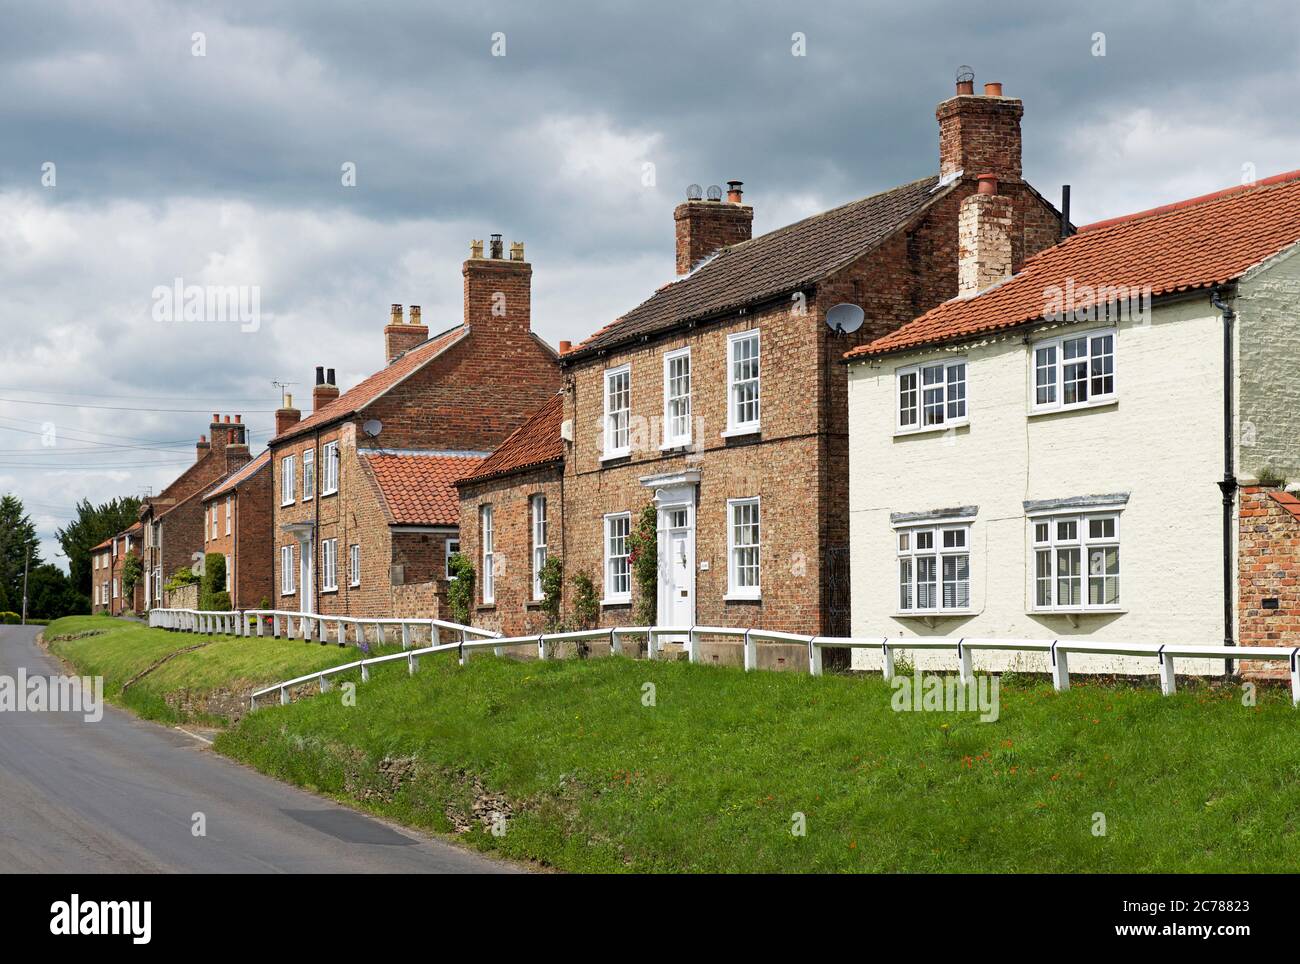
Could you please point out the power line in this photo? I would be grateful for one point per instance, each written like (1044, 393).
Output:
(188, 395)
(127, 408)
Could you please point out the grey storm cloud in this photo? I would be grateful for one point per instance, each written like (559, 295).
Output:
(226, 168)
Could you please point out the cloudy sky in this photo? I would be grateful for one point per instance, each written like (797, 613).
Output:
(208, 141)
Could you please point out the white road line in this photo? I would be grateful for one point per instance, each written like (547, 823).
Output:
(201, 739)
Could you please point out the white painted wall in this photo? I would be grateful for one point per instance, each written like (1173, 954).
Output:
(1160, 441)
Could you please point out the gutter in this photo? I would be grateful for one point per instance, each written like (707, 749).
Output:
(1228, 485)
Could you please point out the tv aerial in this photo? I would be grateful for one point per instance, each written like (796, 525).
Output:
(845, 318)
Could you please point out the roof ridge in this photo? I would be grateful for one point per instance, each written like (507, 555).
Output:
(1191, 202)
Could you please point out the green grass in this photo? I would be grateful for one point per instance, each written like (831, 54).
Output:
(223, 672)
(710, 777)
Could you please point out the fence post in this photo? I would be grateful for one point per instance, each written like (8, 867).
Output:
(750, 650)
(1166, 673)
(464, 653)
(412, 664)
(541, 646)
(694, 654)
(1295, 676)
(887, 666)
(435, 634)
(365, 673)
(324, 683)
(284, 696)
(615, 644)
(814, 655)
(964, 661)
(650, 642)
(341, 633)
(1060, 668)
(406, 636)
(380, 638)
(322, 633)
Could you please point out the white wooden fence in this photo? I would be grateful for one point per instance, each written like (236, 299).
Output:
(321, 627)
(1057, 650)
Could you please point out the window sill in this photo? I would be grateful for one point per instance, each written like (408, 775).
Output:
(734, 598)
(354, 585)
(1089, 611)
(931, 429)
(285, 505)
(534, 604)
(615, 456)
(285, 595)
(308, 498)
(330, 492)
(1065, 409)
(932, 613)
(675, 446)
(741, 431)
(485, 607)
(608, 603)
(329, 592)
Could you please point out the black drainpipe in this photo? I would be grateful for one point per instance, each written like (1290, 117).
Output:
(1229, 484)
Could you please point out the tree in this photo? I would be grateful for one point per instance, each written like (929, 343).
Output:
(212, 587)
(94, 524)
(19, 549)
(51, 594)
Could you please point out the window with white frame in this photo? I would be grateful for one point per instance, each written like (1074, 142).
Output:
(449, 549)
(677, 398)
(308, 474)
(286, 571)
(1076, 562)
(329, 468)
(115, 587)
(1073, 371)
(230, 569)
(215, 507)
(157, 584)
(329, 564)
(539, 543)
(933, 568)
(743, 548)
(287, 473)
(743, 382)
(618, 572)
(618, 410)
(489, 554)
(104, 593)
(354, 565)
(932, 395)
(230, 512)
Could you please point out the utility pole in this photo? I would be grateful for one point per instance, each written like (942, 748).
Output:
(26, 565)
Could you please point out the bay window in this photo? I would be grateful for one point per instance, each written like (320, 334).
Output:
(933, 569)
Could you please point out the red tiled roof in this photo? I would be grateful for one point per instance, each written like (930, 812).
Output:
(1193, 244)
(104, 545)
(232, 479)
(420, 488)
(771, 264)
(369, 389)
(535, 443)
(1286, 500)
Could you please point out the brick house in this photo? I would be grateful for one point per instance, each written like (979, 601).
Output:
(721, 401)
(351, 538)
(172, 521)
(237, 525)
(101, 577)
(1059, 456)
(512, 519)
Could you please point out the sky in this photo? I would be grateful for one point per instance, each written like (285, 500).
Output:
(332, 158)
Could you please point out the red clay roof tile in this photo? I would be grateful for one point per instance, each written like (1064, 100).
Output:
(420, 488)
(535, 443)
(1193, 244)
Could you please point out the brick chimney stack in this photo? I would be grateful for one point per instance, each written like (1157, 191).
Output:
(237, 448)
(983, 238)
(324, 391)
(979, 133)
(704, 227)
(286, 416)
(201, 448)
(498, 290)
(400, 337)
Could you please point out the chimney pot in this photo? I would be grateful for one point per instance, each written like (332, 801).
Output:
(965, 80)
(202, 439)
(216, 416)
(993, 89)
(226, 419)
(516, 251)
(288, 401)
(395, 315)
(565, 345)
(476, 249)
(496, 246)
(329, 376)
(238, 419)
(320, 374)
(988, 184)
(734, 191)
(414, 314)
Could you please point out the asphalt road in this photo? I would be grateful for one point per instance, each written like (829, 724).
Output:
(119, 796)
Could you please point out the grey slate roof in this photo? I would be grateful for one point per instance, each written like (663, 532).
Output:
(773, 264)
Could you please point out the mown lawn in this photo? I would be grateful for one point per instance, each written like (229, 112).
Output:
(711, 776)
(218, 677)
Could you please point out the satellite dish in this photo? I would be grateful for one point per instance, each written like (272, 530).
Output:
(715, 193)
(845, 319)
(373, 427)
(694, 192)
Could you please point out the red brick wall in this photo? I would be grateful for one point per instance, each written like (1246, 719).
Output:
(1268, 568)
(514, 611)
(980, 135)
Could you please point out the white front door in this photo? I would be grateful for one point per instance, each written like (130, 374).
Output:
(677, 594)
(306, 574)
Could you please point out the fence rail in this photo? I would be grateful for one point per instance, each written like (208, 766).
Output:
(473, 640)
(306, 626)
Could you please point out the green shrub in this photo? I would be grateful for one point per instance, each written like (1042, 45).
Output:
(643, 555)
(10, 619)
(552, 590)
(460, 591)
(212, 587)
(586, 608)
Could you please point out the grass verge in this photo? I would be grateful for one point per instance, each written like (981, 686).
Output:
(712, 775)
(210, 684)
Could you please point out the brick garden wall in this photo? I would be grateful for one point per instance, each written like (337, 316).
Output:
(1268, 568)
